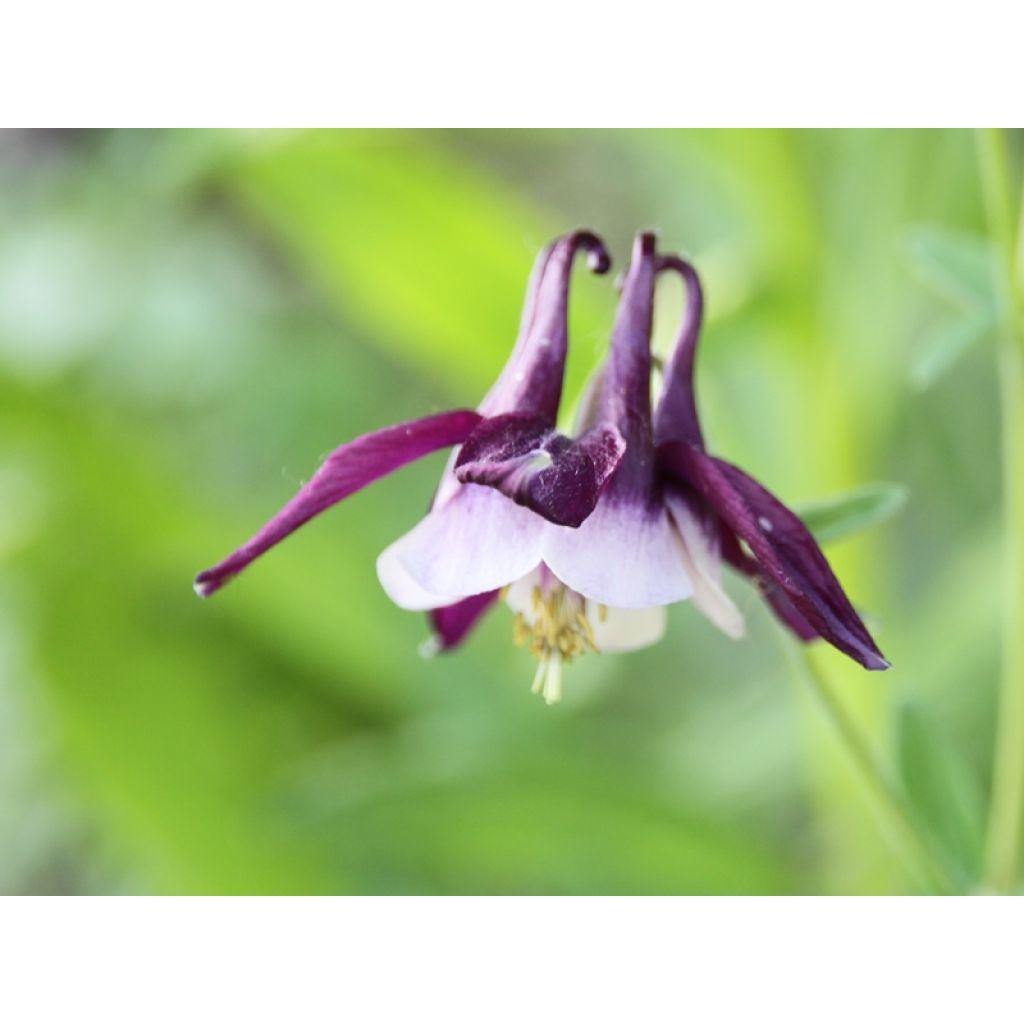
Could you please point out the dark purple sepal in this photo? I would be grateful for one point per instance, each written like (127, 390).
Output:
(524, 458)
(454, 622)
(346, 470)
(781, 544)
(780, 604)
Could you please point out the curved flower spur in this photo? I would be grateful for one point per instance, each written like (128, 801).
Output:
(589, 538)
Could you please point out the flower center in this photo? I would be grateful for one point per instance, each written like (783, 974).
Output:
(555, 629)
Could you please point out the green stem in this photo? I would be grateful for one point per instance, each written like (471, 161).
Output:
(1006, 811)
(888, 799)
(996, 187)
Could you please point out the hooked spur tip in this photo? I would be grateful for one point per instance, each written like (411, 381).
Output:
(598, 259)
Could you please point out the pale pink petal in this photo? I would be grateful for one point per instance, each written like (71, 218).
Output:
(402, 588)
(623, 555)
(700, 551)
(476, 541)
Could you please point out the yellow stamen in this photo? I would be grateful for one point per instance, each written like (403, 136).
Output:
(556, 632)
(548, 679)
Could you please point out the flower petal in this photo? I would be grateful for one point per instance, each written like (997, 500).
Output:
(625, 555)
(345, 471)
(476, 541)
(400, 586)
(531, 381)
(675, 418)
(526, 460)
(700, 546)
(624, 398)
(454, 622)
(626, 629)
(782, 545)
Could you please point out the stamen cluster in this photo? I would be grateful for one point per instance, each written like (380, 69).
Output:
(555, 632)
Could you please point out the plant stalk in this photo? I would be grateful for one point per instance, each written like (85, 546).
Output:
(888, 799)
(1006, 810)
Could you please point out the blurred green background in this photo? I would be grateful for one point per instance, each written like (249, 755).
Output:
(189, 321)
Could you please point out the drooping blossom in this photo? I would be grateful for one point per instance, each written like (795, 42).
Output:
(588, 538)
(605, 585)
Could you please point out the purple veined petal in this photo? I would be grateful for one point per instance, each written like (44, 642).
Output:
(525, 459)
(624, 398)
(781, 605)
(452, 623)
(700, 545)
(475, 542)
(531, 381)
(346, 470)
(675, 418)
(782, 545)
(625, 555)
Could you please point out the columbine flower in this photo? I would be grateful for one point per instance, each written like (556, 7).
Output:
(588, 539)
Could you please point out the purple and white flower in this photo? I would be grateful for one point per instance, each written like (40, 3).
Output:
(588, 538)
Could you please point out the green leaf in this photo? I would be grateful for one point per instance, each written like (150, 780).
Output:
(955, 265)
(833, 519)
(939, 349)
(942, 791)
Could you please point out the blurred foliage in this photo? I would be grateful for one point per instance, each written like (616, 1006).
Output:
(845, 515)
(190, 320)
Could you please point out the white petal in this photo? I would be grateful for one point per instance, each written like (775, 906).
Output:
(519, 596)
(476, 541)
(622, 556)
(401, 587)
(701, 555)
(626, 629)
